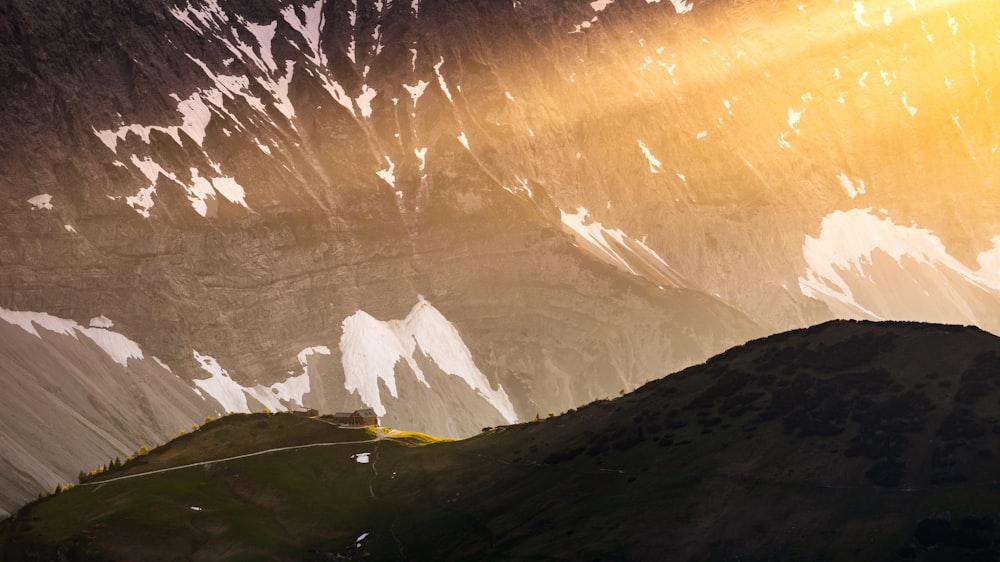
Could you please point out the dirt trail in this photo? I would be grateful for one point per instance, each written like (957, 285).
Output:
(204, 463)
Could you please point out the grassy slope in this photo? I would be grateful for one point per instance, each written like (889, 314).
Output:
(829, 443)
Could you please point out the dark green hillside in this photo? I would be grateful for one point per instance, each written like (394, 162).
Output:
(845, 441)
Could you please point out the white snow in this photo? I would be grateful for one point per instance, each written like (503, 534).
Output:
(221, 26)
(441, 82)
(911, 110)
(416, 90)
(162, 365)
(362, 458)
(232, 396)
(69, 228)
(294, 388)
(794, 117)
(859, 12)
(654, 164)
(28, 321)
(388, 175)
(338, 94)
(310, 26)
(195, 115)
(595, 233)
(101, 321)
(464, 140)
(701, 135)
(42, 201)
(853, 188)
(200, 189)
(887, 17)
(600, 237)
(364, 100)
(848, 239)
(521, 186)
(264, 35)
(421, 153)
(108, 137)
(119, 348)
(783, 140)
(220, 386)
(600, 5)
(371, 349)
(680, 6)
(231, 190)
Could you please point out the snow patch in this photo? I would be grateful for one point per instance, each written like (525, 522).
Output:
(310, 26)
(232, 396)
(680, 6)
(601, 5)
(101, 321)
(371, 349)
(848, 239)
(201, 189)
(654, 164)
(220, 386)
(794, 117)
(859, 12)
(388, 175)
(441, 82)
(421, 154)
(520, 187)
(119, 348)
(464, 140)
(595, 233)
(600, 238)
(362, 458)
(42, 201)
(853, 188)
(364, 100)
(416, 90)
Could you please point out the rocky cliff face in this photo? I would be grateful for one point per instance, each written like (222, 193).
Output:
(468, 212)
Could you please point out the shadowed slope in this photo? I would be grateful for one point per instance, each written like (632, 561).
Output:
(845, 441)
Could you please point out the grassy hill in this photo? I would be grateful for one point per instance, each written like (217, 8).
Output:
(845, 441)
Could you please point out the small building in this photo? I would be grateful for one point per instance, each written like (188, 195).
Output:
(307, 412)
(357, 418)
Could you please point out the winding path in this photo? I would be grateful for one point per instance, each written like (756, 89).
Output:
(226, 459)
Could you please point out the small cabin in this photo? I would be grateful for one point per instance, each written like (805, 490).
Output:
(357, 418)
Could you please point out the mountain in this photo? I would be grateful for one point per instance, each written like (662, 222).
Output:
(463, 214)
(845, 441)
